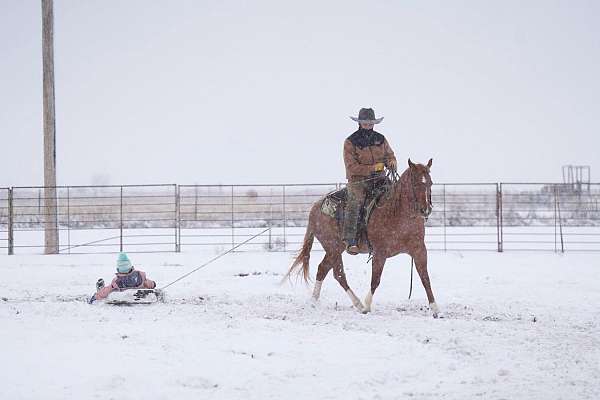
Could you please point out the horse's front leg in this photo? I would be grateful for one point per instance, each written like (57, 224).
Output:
(377, 270)
(420, 257)
(340, 276)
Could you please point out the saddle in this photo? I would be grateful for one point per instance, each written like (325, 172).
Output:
(334, 206)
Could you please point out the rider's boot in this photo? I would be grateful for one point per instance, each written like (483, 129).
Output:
(352, 247)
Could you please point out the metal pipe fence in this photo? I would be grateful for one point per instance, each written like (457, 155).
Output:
(5, 220)
(555, 217)
(97, 219)
(167, 218)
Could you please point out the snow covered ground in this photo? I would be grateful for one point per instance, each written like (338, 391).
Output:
(515, 326)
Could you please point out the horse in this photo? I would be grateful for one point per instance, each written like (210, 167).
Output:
(396, 225)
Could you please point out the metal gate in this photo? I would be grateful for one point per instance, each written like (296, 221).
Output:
(158, 218)
(98, 219)
(555, 217)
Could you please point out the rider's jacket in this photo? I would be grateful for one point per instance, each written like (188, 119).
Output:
(362, 150)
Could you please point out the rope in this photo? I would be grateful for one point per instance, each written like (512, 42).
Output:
(88, 243)
(412, 264)
(214, 259)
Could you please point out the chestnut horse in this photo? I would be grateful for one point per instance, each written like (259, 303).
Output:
(396, 226)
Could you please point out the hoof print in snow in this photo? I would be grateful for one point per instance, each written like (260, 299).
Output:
(5, 299)
(124, 337)
(491, 318)
(198, 383)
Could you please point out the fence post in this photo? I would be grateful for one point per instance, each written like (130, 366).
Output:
(121, 223)
(557, 211)
(284, 222)
(177, 219)
(499, 218)
(555, 221)
(196, 202)
(444, 216)
(270, 223)
(232, 220)
(69, 219)
(10, 223)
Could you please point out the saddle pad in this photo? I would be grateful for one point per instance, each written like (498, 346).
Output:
(334, 203)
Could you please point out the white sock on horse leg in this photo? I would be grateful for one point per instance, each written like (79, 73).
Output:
(355, 300)
(434, 308)
(368, 301)
(317, 290)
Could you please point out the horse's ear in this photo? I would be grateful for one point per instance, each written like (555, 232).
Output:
(429, 163)
(410, 163)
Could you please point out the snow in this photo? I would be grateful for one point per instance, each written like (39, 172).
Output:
(516, 325)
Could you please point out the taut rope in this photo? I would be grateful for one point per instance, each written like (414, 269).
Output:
(214, 259)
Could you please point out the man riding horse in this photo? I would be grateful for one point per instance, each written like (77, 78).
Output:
(396, 225)
(366, 153)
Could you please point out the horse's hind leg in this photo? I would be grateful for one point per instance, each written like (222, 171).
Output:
(324, 268)
(420, 257)
(377, 270)
(340, 276)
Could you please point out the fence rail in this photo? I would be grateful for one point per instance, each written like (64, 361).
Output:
(166, 218)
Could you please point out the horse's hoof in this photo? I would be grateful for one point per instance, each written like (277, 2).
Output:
(360, 308)
(312, 302)
(435, 315)
(365, 311)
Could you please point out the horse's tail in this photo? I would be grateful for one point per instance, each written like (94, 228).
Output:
(303, 256)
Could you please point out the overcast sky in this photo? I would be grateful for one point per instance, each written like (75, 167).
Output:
(260, 91)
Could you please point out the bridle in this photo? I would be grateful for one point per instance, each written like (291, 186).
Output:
(415, 203)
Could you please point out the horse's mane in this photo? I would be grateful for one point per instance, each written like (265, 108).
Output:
(402, 183)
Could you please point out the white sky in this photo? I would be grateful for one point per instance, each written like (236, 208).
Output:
(260, 91)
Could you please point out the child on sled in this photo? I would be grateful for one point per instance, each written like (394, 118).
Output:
(126, 277)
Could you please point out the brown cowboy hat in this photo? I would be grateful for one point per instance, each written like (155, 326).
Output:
(367, 116)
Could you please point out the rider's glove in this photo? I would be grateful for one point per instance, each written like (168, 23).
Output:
(379, 167)
(100, 284)
(391, 164)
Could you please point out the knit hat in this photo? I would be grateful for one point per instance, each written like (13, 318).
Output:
(123, 264)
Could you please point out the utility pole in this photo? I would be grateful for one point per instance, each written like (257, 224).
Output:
(50, 211)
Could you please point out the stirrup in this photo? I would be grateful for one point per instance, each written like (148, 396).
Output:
(352, 248)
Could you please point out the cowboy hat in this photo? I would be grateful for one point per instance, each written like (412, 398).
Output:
(367, 116)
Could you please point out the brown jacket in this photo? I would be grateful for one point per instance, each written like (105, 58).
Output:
(362, 150)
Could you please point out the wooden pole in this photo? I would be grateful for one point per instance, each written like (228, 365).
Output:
(50, 220)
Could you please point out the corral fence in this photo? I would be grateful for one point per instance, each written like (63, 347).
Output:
(172, 218)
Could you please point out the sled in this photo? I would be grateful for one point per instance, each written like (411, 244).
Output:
(134, 296)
